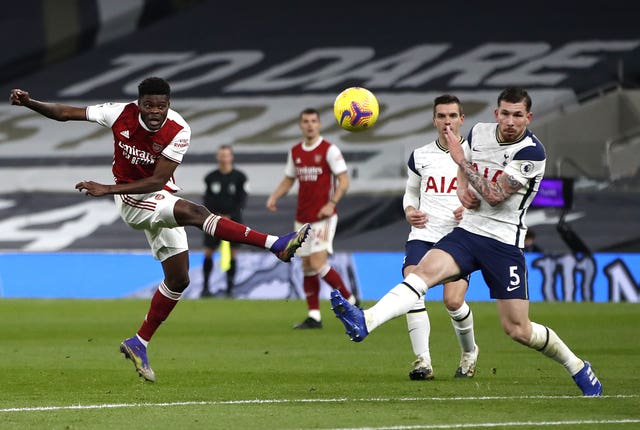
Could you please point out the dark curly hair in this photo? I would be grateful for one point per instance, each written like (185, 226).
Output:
(154, 86)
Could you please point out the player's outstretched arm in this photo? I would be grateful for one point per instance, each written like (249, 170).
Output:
(162, 173)
(57, 111)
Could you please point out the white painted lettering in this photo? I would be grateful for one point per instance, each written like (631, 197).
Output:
(472, 68)
(125, 65)
(274, 78)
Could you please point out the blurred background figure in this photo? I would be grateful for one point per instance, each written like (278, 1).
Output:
(226, 195)
(530, 242)
(323, 180)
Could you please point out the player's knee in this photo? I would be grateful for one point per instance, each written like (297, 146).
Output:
(189, 213)
(453, 303)
(177, 284)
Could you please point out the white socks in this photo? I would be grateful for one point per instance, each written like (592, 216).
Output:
(462, 321)
(396, 302)
(315, 314)
(547, 341)
(419, 328)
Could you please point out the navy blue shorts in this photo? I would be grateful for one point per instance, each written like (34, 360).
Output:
(503, 266)
(414, 250)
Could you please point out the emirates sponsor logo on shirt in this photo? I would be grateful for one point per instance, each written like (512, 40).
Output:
(308, 173)
(136, 155)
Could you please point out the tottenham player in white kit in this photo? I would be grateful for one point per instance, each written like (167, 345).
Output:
(503, 163)
(150, 140)
(432, 207)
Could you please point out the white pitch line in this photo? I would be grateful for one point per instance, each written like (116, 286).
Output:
(276, 401)
(490, 425)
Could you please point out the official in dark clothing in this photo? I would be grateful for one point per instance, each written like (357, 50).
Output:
(225, 195)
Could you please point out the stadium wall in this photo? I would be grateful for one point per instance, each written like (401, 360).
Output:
(602, 277)
(576, 137)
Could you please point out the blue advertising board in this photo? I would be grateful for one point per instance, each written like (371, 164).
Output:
(602, 277)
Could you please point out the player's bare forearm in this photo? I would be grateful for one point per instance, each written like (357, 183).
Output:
(341, 187)
(142, 186)
(56, 111)
(492, 192)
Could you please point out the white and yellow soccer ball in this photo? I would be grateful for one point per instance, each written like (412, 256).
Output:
(356, 109)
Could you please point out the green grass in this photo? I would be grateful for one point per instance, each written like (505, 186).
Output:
(239, 365)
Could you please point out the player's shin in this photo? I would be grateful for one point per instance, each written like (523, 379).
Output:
(232, 231)
(398, 301)
(547, 341)
(162, 303)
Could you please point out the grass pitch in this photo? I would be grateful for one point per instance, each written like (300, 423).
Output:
(225, 364)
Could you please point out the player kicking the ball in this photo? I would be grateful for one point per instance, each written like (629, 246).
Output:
(503, 163)
(150, 140)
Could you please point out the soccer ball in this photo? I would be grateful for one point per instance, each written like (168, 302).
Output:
(356, 109)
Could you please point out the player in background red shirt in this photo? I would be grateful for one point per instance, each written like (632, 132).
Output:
(323, 180)
(150, 140)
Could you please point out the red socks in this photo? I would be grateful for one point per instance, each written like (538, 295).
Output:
(160, 308)
(311, 285)
(232, 231)
(333, 278)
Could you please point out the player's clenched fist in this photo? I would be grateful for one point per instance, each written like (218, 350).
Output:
(18, 97)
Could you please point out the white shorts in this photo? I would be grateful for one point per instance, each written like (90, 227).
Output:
(153, 213)
(320, 237)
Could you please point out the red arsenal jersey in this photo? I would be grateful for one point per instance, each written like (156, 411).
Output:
(136, 148)
(315, 168)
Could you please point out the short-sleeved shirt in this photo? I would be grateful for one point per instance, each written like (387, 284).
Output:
(315, 167)
(431, 169)
(136, 148)
(525, 161)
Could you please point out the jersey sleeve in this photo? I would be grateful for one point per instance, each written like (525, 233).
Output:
(412, 191)
(527, 163)
(466, 146)
(336, 160)
(290, 168)
(175, 150)
(105, 114)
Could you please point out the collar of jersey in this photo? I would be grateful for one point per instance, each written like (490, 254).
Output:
(312, 147)
(439, 145)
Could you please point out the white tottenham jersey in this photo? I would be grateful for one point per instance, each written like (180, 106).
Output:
(524, 160)
(432, 175)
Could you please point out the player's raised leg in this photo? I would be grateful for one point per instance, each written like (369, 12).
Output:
(284, 247)
(436, 267)
(398, 301)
